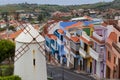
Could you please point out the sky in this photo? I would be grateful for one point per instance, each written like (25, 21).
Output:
(59, 2)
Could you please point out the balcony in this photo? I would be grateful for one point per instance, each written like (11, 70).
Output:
(60, 42)
(115, 45)
(95, 55)
(74, 51)
(98, 37)
(54, 47)
(86, 36)
(66, 49)
(83, 53)
(116, 26)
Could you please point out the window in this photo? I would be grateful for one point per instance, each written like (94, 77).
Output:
(114, 71)
(109, 56)
(114, 60)
(61, 37)
(56, 33)
(53, 42)
(47, 43)
(34, 62)
(119, 38)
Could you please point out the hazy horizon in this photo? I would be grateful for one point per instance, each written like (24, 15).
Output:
(55, 2)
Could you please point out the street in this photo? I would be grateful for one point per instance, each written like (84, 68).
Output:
(60, 73)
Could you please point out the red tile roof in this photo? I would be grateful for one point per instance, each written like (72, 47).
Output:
(75, 39)
(78, 25)
(52, 36)
(85, 40)
(36, 27)
(60, 31)
(112, 38)
(15, 34)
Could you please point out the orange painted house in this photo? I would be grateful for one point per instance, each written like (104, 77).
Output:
(113, 52)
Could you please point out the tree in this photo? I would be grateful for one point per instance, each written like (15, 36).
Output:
(40, 17)
(7, 49)
(12, 28)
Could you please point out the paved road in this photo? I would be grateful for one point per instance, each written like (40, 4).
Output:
(58, 72)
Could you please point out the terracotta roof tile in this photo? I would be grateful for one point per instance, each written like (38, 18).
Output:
(36, 27)
(78, 24)
(52, 36)
(15, 34)
(85, 40)
(60, 31)
(75, 39)
(112, 38)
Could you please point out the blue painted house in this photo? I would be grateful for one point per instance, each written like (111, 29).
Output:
(51, 45)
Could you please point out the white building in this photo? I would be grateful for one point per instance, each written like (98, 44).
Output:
(30, 63)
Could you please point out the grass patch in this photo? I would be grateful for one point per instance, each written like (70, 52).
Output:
(10, 78)
(6, 70)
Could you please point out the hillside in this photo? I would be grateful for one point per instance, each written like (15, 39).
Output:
(51, 8)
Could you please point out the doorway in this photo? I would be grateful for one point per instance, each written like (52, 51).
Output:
(75, 63)
(90, 67)
(81, 65)
(119, 68)
(108, 72)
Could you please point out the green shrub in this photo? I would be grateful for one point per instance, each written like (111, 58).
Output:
(49, 78)
(6, 70)
(10, 78)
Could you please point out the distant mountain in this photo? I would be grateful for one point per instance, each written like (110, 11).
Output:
(51, 8)
(103, 5)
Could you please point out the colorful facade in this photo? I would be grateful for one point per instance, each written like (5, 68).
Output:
(90, 46)
(97, 51)
(111, 56)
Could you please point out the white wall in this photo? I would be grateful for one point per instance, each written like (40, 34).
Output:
(24, 66)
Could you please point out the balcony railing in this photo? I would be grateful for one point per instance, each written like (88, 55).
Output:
(95, 55)
(74, 51)
(66, 49)
(98, 37)
(85, 36)
(83, 53)
(116, 46)
(60, 42)
(54, 47)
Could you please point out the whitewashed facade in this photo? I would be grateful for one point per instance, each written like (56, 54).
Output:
(32, 64)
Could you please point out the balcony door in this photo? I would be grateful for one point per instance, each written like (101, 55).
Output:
(75, 63)
(85, 47)
(90, 67)
(108, 72)
(119, 68)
